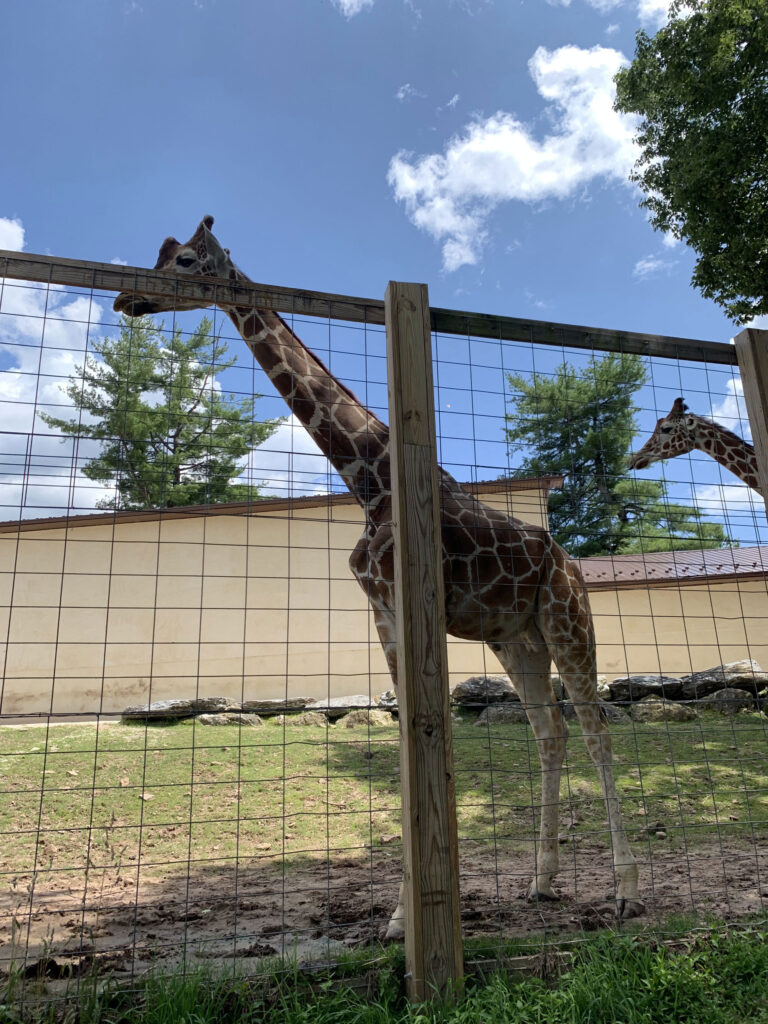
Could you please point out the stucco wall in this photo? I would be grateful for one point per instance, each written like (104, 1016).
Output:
(102, 616)
(98, 617)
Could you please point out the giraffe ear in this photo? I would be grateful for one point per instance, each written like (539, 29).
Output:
(169, 246)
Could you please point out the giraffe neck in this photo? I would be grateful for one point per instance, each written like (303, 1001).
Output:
(730, 450)
(352, 438)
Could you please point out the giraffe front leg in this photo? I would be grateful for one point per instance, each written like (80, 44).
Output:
(528, 666)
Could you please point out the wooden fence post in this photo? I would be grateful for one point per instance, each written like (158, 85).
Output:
(752, 354)
(433, 951)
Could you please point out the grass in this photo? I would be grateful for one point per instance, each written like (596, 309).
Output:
(717, 978)
(119, 795)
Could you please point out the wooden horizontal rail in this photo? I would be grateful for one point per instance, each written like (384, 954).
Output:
(114, 278)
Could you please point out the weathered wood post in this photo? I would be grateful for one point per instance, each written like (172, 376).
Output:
(752, 354)
(433, 951)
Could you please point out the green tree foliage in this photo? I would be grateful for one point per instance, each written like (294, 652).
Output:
(700, 86)
(168, 435)
(580, 423)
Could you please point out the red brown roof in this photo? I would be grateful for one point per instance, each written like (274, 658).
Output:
(676, 568)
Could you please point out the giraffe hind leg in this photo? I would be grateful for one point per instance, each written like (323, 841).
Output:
(528, 665)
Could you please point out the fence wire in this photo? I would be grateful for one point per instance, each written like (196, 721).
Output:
(199, 757)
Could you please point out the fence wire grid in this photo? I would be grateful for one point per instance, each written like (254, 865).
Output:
(199, 757)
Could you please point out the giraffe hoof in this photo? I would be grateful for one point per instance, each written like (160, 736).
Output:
(395, 931)
(626, 909)
(535, 896)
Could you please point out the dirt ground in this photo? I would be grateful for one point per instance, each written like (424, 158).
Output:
(318, 910)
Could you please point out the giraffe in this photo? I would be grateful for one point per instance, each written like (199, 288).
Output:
(507, 583)
(682, 431)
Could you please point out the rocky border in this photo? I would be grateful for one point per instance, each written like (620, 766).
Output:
(730, 689)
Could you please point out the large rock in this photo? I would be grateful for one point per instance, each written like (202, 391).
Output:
(482, 691)
(367, 717)
(161, 709)
(728, 701)
(636, 687)
(610, 712)
(387, 701)
(741, 675)
(229, 718)
(179, 708)
(276, 707)
(501, 714)
(310, 718)
(657, 709)
(336, 707)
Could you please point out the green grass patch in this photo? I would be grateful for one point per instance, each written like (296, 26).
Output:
(716, 978)
(119, 795)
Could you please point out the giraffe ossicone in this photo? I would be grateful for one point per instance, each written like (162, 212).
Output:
(682, 431)
(507, 583)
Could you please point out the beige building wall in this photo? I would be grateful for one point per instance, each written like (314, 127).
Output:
(104, 615)
(680, 629)
(113, 613)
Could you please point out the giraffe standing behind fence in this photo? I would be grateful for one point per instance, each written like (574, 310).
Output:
(507, 583)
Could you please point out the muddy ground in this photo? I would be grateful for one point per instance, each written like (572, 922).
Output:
(316, 911)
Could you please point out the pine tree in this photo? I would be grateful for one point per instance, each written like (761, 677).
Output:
(168, 435)
(581, 424)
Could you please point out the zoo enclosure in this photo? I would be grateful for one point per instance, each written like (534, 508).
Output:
(434, 945)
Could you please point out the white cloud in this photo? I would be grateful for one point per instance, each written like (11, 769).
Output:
(349, 8)
(653, 13)
(407, 92)
(118, 262)
(669, 241)
(498, 159)
(453, 100)
(649, 266)
(611, 30)
(11, 234)
(731, 410)
(720, 500)
(290, 463)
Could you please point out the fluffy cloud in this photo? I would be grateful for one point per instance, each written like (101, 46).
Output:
(349, 8)
(497, 159)
(652, 13)
(290, 463)
(719, 501)
(11, 234)
(649, 266)
(731, 410)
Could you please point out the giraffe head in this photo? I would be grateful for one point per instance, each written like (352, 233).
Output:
(673, 435)
(201, 256)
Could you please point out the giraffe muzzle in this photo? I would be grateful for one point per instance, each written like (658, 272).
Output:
(132, 304)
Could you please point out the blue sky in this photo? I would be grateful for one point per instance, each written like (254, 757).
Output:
(469, 144)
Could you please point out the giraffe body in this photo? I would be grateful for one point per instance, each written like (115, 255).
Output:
(507, 583)
(682, 431)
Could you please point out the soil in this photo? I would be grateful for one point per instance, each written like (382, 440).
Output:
(315, 911)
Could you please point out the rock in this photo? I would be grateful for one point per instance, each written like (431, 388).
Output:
(335, 707)
(179, 708)
(604, 691)
(742, 675)
(639, 686)
(161, 709)
(387, 701)
(657, 709)
(312, 718)
(482, 691)
(728, 701)
(276, 707)
(363, 716)
(501, 714)
(610, 711)
(229, 718)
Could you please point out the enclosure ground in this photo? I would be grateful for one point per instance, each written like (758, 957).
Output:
(126, 847)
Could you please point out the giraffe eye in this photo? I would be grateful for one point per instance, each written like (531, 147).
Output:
(185, 261)
(666, 430)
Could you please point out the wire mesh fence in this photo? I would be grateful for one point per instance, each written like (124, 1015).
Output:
(199, 755)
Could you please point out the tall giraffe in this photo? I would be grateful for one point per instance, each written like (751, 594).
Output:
(506, 583)
(682, 431)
